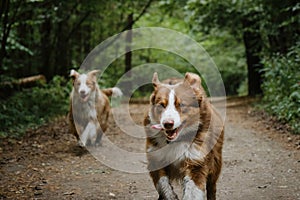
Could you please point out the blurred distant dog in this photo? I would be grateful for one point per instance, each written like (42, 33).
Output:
(89, 107)
(184, 139)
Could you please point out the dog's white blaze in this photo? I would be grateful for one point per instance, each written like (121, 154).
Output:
(171, 112)
(83, 86)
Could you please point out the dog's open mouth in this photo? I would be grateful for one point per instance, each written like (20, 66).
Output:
(170, 134)
(84, 97)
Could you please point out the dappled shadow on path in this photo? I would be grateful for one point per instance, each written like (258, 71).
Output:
(48, 163)
(77, 150)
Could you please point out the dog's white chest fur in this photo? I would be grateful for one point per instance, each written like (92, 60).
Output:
(86, 115)
(175, 152)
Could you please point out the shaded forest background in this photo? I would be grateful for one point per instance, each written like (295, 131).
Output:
(255, 45)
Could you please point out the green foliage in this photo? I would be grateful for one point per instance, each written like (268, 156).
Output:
(265, 27)
(50, 37)
(269, 30)
(33, 106)
(282, 87)
(226, 51)
(228, 54)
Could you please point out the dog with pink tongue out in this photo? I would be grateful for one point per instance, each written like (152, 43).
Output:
(184, 139)
(89, 108)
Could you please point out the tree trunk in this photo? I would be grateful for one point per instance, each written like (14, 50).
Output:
(128, 55)
(46, 47)
(62, 54)
(253, 46)
(5, 30)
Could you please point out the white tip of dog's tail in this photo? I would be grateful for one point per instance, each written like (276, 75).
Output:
(116, 92)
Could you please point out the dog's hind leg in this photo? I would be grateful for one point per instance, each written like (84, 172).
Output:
(211, 188)
(211, 183)
(212, 178)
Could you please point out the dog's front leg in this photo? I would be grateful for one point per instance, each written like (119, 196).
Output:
(88, 133)
(163, 186)
(191, 191)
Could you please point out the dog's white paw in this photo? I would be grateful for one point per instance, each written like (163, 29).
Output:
(190, 190)
(81, 144)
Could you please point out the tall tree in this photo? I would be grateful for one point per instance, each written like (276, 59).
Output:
(128, 55)
(50, 37)
(252, 21)
(253, 47)
(8, 17)
(239, 18)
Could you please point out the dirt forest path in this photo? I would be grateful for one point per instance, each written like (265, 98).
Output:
(261, 161)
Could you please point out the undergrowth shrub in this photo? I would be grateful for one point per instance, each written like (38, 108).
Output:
(34, 106)
(281, 87)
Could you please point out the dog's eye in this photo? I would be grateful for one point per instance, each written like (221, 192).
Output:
(159, 107)
(162, 105)
(182, 105)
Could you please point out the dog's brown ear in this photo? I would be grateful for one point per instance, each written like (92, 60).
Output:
(94, 72)
(152, 99)
(192, 79)
(74, 74)
(155, 80)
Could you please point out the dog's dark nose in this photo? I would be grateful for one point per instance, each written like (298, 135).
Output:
(168, 123)
(82, 92)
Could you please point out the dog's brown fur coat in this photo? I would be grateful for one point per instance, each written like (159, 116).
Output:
(98, 101)
(202, 170)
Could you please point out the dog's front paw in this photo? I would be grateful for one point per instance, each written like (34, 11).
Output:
(81, 144)
(98, 144)
(190, 190)
(172, 197)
